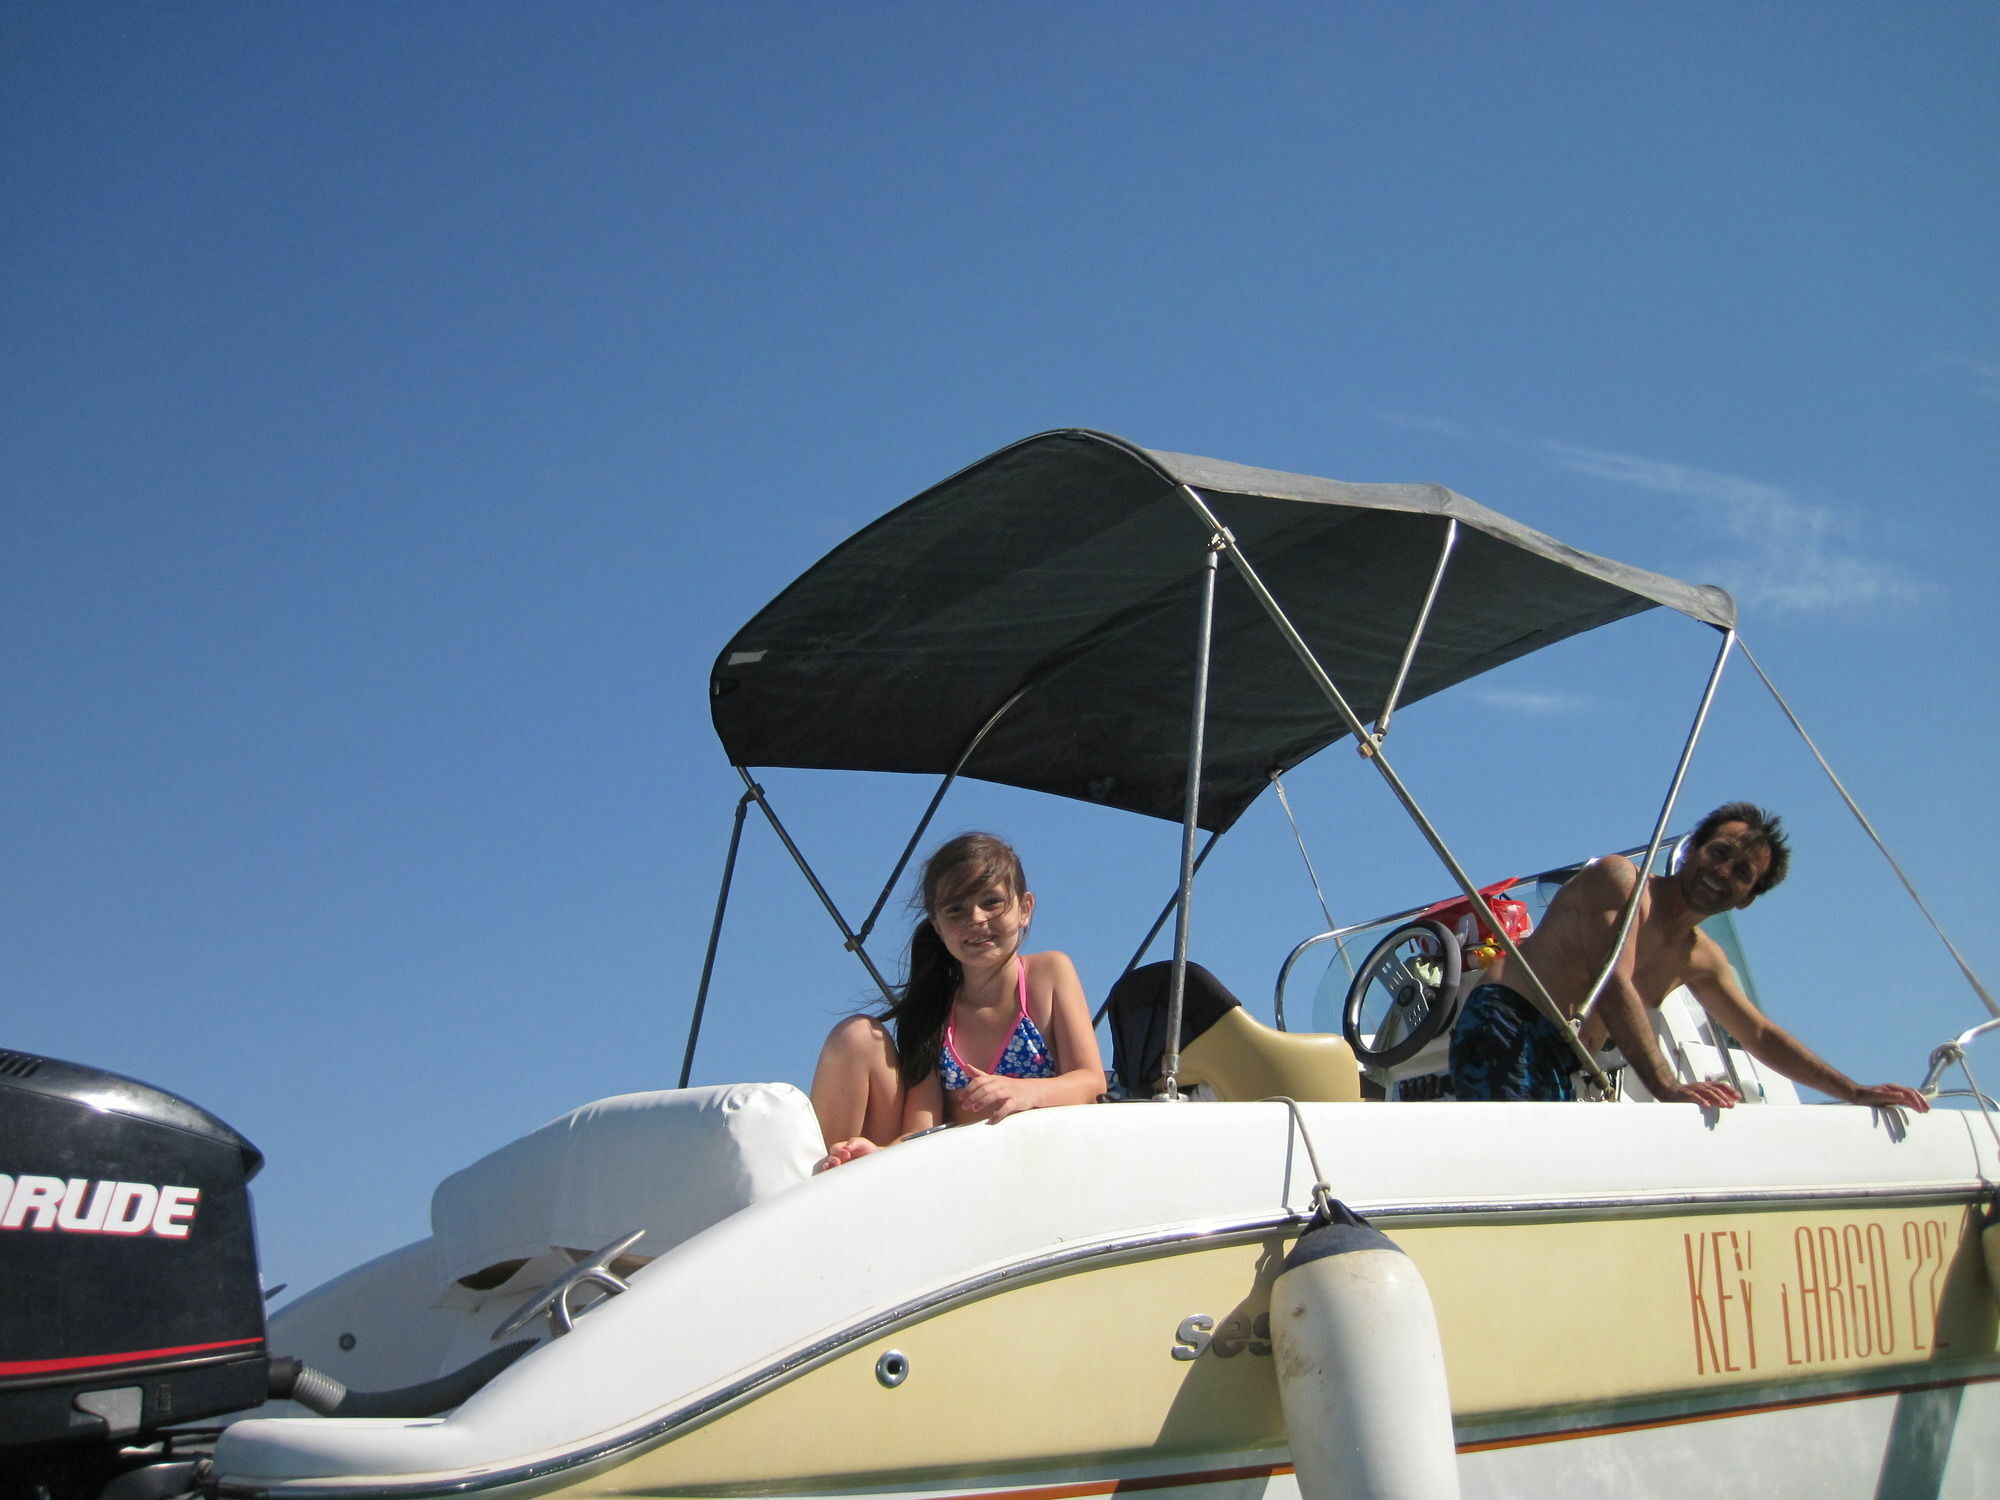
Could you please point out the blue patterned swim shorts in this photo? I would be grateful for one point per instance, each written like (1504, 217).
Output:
(1503, 1048)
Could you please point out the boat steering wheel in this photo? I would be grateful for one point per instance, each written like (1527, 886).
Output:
(1400, 1000)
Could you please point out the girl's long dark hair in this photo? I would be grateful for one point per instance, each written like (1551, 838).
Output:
(917, 1019)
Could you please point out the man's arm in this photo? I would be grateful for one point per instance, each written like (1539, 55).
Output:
(1606, 885)
(1714, 984)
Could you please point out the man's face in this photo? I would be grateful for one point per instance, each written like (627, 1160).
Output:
(1720, 875)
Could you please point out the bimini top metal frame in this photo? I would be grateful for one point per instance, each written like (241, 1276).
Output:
(1027, 621)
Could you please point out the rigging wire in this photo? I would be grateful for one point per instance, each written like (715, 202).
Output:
(1985, 1104)
(1299, 838)
(1322, 1190)
(1869, 828)
(1278, 782)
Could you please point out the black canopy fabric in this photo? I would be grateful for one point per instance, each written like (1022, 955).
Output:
(1067, 568)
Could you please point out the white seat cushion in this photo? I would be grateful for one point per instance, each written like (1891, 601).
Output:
(671, 1163)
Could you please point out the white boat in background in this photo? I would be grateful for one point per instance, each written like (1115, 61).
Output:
(1613, 1299)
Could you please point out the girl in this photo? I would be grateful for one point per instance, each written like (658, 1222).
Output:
(981, 1030)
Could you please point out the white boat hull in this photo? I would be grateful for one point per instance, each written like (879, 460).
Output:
(1632, 1300)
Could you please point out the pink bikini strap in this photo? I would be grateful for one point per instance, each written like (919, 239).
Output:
(1021, 998)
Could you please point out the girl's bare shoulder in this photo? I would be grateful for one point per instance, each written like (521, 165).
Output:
(862, 1031)
(1051, 964)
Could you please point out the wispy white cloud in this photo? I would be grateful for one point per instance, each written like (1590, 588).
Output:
(1979, 376)
(1783, 552)
(1414, 422)
(1531, 701)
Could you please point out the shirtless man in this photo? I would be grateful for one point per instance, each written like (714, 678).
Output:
(1505, 1048)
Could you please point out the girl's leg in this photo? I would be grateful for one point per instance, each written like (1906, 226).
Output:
(856, 1090)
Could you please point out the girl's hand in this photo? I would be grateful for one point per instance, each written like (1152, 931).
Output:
(843, 1152)
(989, 1096)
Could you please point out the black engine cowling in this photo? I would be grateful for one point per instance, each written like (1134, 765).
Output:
(129, 1293)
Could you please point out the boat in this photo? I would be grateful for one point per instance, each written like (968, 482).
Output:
(1276, 1266)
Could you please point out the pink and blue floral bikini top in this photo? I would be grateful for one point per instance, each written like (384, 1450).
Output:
(1024, 1055)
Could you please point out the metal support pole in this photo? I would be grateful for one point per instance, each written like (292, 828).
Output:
(1173, 904)
(1954, 1051)
(714, 937)
(756, 793)
(1537, 991)
(1416, 635)
(1631, 912)
(1190, 825)
(937, 798)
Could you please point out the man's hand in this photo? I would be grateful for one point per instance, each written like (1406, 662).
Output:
(1707, 1095)
(990, 1096)
(1891, 1096)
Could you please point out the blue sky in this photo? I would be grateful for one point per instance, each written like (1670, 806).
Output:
(405, 402)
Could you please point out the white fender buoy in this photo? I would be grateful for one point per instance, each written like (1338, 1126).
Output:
(1360, 1370)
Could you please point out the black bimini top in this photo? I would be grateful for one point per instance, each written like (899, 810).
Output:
(1067, 569)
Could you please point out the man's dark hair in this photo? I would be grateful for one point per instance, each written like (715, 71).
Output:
(1766, 828)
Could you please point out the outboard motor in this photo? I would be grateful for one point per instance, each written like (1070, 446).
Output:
(129, 1293)
(130, 1303)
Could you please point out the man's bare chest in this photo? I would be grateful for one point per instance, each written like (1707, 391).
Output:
(1661, 964)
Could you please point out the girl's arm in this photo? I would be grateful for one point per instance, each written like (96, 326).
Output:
(923, 1105)
(1082, 1076)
